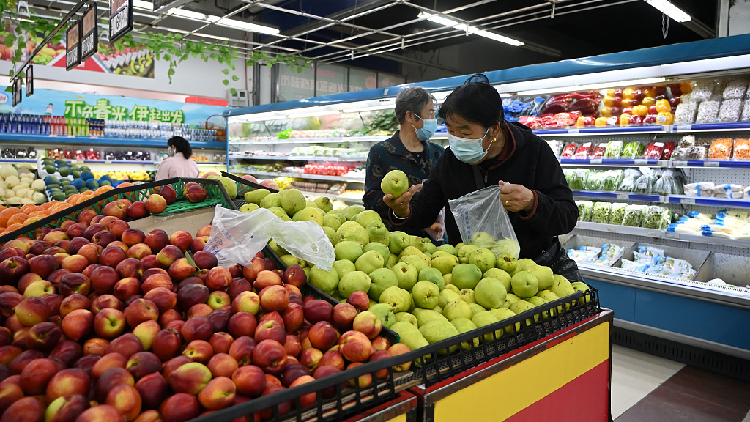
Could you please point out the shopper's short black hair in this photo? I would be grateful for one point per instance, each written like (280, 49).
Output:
(476, 101)
(181, 145)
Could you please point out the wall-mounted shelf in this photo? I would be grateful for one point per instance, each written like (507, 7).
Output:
(304, 176)
(103, 141)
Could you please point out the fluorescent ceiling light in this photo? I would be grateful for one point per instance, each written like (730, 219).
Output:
(187, 14)
(598, 86)
(143, 5)
(669, 9)
(247, 26)
(442, 20)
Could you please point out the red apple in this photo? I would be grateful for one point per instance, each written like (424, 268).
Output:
(180, 407)
(317, 311)
(18, 360)
(106, 301)
(267, 278)
(12, 269)
(155, 281)
(126, 399)
(66, 408)
(146, 333)
(153, 388)
(363, 380)
(381, 343)
(137, 210)
(400, 349)
(169, 316)
(109, 323)
(32, 311)
(156, 204)
(181, 239)
(293, 317)
(156, 239)
(221, 342)
(168, 193)
(355, 347)
(218, 394)
(242, 350)
(270, 356)
(112, 255)
(163, 298)
(222, 365)
(142, 364)
(167, 255)
(274, 298)
(139, 251)
(8, 303)
(359, 300)
(198, 244)
(197, 328)
(199, 351)
(343, 316)
(167, 344)
(107, 362)
(27, 409)
(292, 345)
(196, 193)
(172, 365)
(246, 301)
(205, 260)
(37, 374)
(242, 324)
(190, 378)
(332, 358)
(368, 323)
(181, 269)
(140, 311)
(322, 372)
(295, 276)
(95, 346)
(43, 265)
(219, 319)
(251, 271)
(78, 324)
(192, 294)
(218, 278)
(250, 381)
(68, 382)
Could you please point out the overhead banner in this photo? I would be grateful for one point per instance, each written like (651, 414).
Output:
(90, 39)
(73, 45)
(120, 18)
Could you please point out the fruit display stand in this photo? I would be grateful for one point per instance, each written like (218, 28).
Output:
(549, 379)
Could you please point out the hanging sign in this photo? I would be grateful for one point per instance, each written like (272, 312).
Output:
(120, 18)
(16, 92)
(90, 39)
(73, 45)
(30, 81)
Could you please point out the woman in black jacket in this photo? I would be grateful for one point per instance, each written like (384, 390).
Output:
(486, 150)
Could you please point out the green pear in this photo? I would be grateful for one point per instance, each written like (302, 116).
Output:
(384, 311)
(365, 218)
(354, 281)
(406, 317)
(499, 275)
(433, 276)
(354, 232)
(506, 246)
(524, 284)
(429, 248)
(332, 220)
(351, 211)
(547, 295)
(438, 254)
(398, 298)
(416, 261)
(276, 248)
(510, 299)
(475, 307)
(490, 293)
(464, 325)
(523, 306)
(346, 249)
(369, 262)
(538, 301)
(394, 183)
(309, 214)
(327, 281)
(459, 309)
(448, 278)
(392, 260)
(447, 296)
(382, 279)
(292, 201)
(561, 286)
(411, 250)
(289, 260)
(249, 207)
(448, 248)
(524, 265)
(444, 263)
(581, 287)
(453, 287)
(464, 252)
(332, 236)
(506, 263)
(271, 200)
(467, 295)
(409, 335)
(344, 266)
(426, 315)
(377, 232)
(482, 239)
(279, 212)
(412, 305)
(312, 205)
(435, 331)
(379, 248)
(481, 319)
(425, 294)
(466, 276)
(544, 276)
(503, 314)
(406, 274)
(438, 309)
(324, 203)
(483, 258)
(257, 195)
(398, 242)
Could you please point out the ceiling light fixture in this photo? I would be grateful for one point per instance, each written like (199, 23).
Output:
(669, 9)
(247, 26)
(442, 20)
(143, 5)
(597, 87)
(187, 14)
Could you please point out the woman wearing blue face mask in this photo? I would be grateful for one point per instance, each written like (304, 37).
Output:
(409, 151)
(486, 150)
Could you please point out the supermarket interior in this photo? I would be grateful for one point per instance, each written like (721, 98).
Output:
(372, 210)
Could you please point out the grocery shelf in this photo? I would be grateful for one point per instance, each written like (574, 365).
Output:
(334, 197)
(706, 127)
(306, 176)
(624, 196)
(293, 158)
(17, 160)
(290, 141)
(566, 162)
(711, 202)
(616, 228)
(101, 141)
(671, 199)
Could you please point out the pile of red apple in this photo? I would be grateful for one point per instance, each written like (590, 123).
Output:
(103, 322)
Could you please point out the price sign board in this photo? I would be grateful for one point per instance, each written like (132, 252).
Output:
(73, 45)
(120, 18)
(30, 81)
(16, 92)
(90, 38)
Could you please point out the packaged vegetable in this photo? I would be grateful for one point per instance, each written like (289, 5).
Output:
(598, 152)
(685, 113)
(633, 215)
(617, 213)
(741, 149)
(668, 149)
(630, 176)
(583, 150)
(730, 110)
(569, 151)
(708, 111)
(667, 184)
(632, 150)
(735, 89)
(600, 212)
(556, 147)
(721, 149)
(614, 150)
(576, 178)
(584, 210)
(611, 180)
(703, 89)
(645, 183)
(653, 151)
(595, 180)
(656, 218)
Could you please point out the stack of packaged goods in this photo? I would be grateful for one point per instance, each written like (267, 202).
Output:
(653, 261)
(621, 214)
(729, 224)
(604, 256)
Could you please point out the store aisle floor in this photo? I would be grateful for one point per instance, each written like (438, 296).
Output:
(646, 388)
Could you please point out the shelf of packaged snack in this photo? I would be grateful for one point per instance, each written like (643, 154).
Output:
(344, 198)
(101, 141)
(671, 199)
(305, 176)
(570, 162)
(617, 130)
(661, 234)
(294, 158)
(290, 141)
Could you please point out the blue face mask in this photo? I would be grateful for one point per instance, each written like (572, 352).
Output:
(429, 126)
(468, 150)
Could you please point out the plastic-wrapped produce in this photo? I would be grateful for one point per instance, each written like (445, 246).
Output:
(614, 150)
(583, 150)
(612, 179)
(610, 254)
(653, 151)
(735, 89)
(556, 147)
(729, 191)
(630, 176)
(700, 189)
(600, 212)
(576, 178)
(746, 111)
(721, 149)
(599, 151)
(633, 215)
(569, 151)
(685, 113)
(668, 149)
(584, 210)
(703, 89)
(632, 150)
(730, 110)
(595, 180)
(656, 218)
(645, 183)
(617, 213)
(708, 111)
(741, 149)
(667, 184)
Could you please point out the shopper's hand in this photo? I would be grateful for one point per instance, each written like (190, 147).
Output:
(400, 205)
(436, 227)
(419, 187)
(516, 198)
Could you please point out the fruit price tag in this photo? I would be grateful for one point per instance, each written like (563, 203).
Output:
(623, 196)
(640, 162)
(107, 161)
(596, 161)
(679, 163)
(684, 127)
(687, 201)
(574, 130)
(710, 164)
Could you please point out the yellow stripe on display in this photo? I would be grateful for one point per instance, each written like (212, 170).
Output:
(508, 392)
(399, 418)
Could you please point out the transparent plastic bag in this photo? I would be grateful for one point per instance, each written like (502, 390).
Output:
(656, 218)
(630, 176)
(632, 150)
(584, 210)
(645, 183)
(730, 110)
(483, 221)
(617, 213)
(595, 180)
(708, 111)
(237, 236)
(611, 180)
(667, 184)
(614, 150)
(576, 179)
(633, 215)
(703, 89)
(685, 113)
(736, 88)
(600, 213)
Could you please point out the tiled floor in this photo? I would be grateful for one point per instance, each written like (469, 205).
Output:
(646, 388)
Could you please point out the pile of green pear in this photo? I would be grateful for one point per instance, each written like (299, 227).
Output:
(423, 292)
